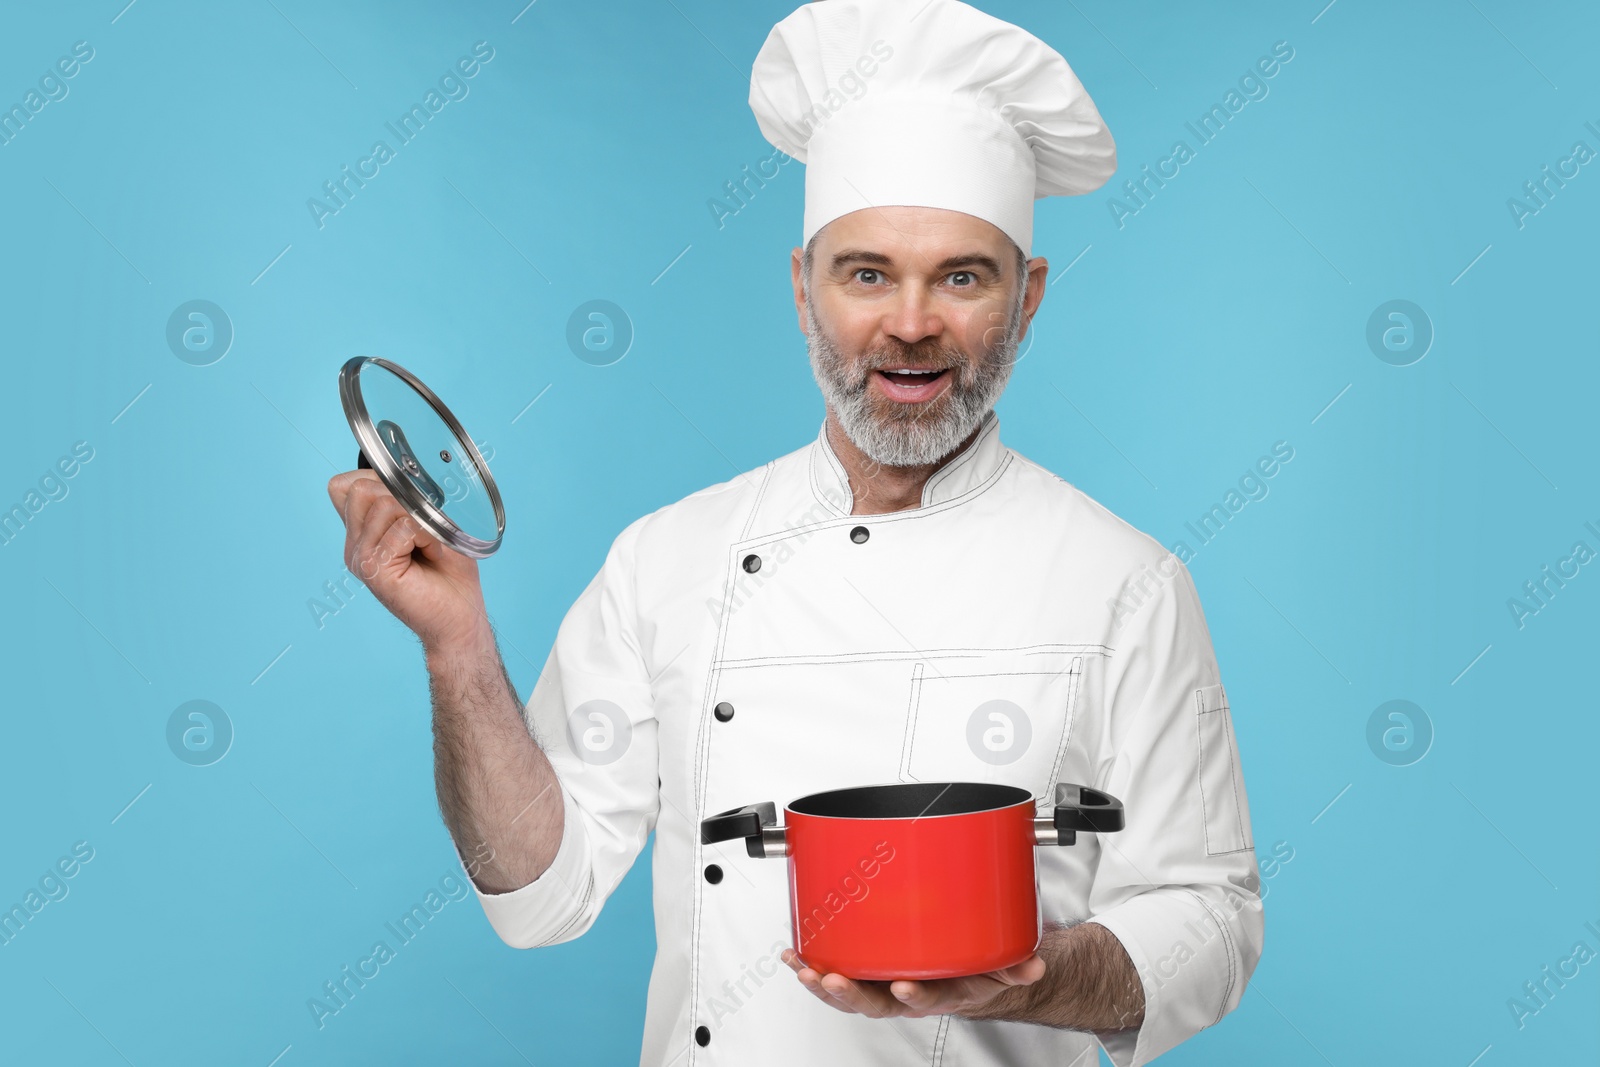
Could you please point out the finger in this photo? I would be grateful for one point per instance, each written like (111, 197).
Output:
(952, 994)
(926, 998)
(396, 542)
(868, 999)
(871, 998)
(431, 547)
(378, 519)
(363, 495)
(357, 496)
(392, 545)
(812, 981)
(339, 487)
(814, 985)
(1027, 972)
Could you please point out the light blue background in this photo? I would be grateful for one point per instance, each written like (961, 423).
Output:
(1223, 317)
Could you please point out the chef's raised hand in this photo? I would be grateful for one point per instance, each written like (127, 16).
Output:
(425, 584)
(913, 1000)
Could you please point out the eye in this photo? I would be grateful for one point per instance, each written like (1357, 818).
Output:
(867, 276)
(970, 279)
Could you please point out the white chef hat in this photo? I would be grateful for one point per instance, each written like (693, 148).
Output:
(927, 103)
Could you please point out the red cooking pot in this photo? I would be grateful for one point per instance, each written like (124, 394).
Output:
(919, 881)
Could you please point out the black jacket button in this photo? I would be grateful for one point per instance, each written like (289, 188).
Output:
(752, 563)
(723, 711)
(713, 874)
(860, 534)
(702, 1036)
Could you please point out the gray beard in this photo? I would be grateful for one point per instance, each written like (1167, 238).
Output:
(900, 435)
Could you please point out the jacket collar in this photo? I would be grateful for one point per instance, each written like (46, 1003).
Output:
(963, 472)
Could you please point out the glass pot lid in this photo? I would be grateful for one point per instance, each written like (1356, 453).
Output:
(423, 456)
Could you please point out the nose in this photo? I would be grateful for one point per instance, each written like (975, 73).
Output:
(913, 316)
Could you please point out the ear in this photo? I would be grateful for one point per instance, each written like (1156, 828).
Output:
(796, 258)
(1038, 273)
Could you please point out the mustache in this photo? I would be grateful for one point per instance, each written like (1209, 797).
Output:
(852, 378)
(919, 356)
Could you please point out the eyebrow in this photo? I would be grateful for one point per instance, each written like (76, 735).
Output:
(949, 263)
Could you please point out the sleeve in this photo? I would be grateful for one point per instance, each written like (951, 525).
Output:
(592, 712)
(1178, 886)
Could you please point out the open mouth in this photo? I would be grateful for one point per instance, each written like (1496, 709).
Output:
(911, 386)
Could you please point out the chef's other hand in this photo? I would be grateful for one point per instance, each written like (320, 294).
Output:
(424, 583)
(913, 1000)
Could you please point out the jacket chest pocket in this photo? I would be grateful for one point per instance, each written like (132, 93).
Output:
(1000, 716)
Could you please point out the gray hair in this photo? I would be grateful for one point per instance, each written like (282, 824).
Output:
(914, 440)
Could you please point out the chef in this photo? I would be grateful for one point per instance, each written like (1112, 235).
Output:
(903, 599)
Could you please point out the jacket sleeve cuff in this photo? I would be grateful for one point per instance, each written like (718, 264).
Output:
(558, 905)
(1186, 951)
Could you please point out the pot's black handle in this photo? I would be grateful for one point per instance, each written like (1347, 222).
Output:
(1080, 808)
(361, 461)
(754, 822)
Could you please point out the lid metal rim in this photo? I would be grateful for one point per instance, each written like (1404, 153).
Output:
(421, 508)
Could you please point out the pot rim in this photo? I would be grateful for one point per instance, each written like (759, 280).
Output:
(1017, 795)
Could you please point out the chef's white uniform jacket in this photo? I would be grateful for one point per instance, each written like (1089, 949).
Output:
(688, 679)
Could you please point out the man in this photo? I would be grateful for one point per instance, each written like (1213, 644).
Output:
(855, 612)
